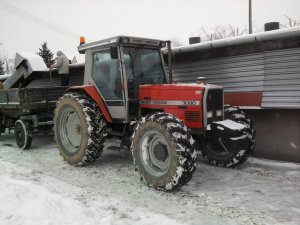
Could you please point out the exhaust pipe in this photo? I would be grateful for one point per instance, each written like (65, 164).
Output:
(170, 62)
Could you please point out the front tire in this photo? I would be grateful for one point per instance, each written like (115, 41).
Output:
(236, 114)
(163, 151)
(215, 150)
(79, 129)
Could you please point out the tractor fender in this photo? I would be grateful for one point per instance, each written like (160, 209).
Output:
(91, 91)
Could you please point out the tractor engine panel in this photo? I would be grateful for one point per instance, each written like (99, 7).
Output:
(185, 101)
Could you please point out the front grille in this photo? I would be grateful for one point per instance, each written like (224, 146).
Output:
(192, 116)
(214, 99)
(214, 102)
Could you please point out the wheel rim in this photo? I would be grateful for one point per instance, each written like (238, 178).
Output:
(155, 153)
(70, 130)
(20, 134)
(218, 148)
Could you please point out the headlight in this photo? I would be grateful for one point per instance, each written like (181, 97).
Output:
(209, 114)
(219, 113)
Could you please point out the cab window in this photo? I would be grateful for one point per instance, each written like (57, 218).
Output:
(106, 75)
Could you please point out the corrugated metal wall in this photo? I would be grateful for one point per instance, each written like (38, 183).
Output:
(238, 73)
(275, 73)
(282, 79)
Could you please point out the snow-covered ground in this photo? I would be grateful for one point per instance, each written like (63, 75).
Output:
(38, 187)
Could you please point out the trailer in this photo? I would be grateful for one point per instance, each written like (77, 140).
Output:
(29, 97)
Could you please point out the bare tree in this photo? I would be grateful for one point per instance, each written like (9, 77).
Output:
(2, 71)
(220, 32)
(176, 42)
(8, 64)
(290, 22)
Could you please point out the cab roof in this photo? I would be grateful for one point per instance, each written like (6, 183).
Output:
(128, 40)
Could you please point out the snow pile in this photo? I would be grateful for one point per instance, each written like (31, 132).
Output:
(27, 200)
(29, 203)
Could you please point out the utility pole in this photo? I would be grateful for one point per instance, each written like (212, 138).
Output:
(250, 16)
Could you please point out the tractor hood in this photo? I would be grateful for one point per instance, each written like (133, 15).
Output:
(178, 93)
(188, 102)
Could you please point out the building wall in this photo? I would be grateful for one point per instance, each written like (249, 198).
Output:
(275, 75)
(278, 133)
(268, 80)
(281, 86)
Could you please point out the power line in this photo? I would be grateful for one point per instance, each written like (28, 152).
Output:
(35, 19)
(32, 18)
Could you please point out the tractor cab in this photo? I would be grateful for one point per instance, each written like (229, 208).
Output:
(118, 66)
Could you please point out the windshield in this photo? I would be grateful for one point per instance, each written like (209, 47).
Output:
(143, 66)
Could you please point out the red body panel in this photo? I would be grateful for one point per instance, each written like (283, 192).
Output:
(93, 93)
(182, 100)
(243, 99)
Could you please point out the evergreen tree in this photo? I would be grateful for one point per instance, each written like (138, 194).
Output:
(1, 67)
(46, 54)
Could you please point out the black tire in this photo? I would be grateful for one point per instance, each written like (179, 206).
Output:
(23, 134)
(236, 114)
(172, 152)
(238, 155)
(90, 128)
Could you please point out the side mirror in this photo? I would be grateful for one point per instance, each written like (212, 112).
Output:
(114, 52)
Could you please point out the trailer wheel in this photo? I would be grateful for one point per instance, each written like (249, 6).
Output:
(163, 151)
(23, 134)
(79, 129)
(215, 151)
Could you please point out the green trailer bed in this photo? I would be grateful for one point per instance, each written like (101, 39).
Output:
(28, 111)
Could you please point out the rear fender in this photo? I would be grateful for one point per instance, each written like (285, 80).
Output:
(91, 91)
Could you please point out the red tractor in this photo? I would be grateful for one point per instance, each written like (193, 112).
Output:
(126, 94)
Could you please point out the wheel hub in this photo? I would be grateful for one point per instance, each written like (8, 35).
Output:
(70, 130)
(78, 129)
(160, 152)
(155, 153)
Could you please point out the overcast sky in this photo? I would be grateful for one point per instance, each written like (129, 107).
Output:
(98, 19)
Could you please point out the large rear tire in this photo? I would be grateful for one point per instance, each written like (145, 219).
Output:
(163, 151)
(79, 129)
(215, 151)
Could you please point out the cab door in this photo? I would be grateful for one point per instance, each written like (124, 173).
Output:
(107, 78)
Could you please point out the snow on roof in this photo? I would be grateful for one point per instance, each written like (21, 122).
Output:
(75, 58)
(80, 58)
(4, 77)
(36, 62)
(251, 38)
